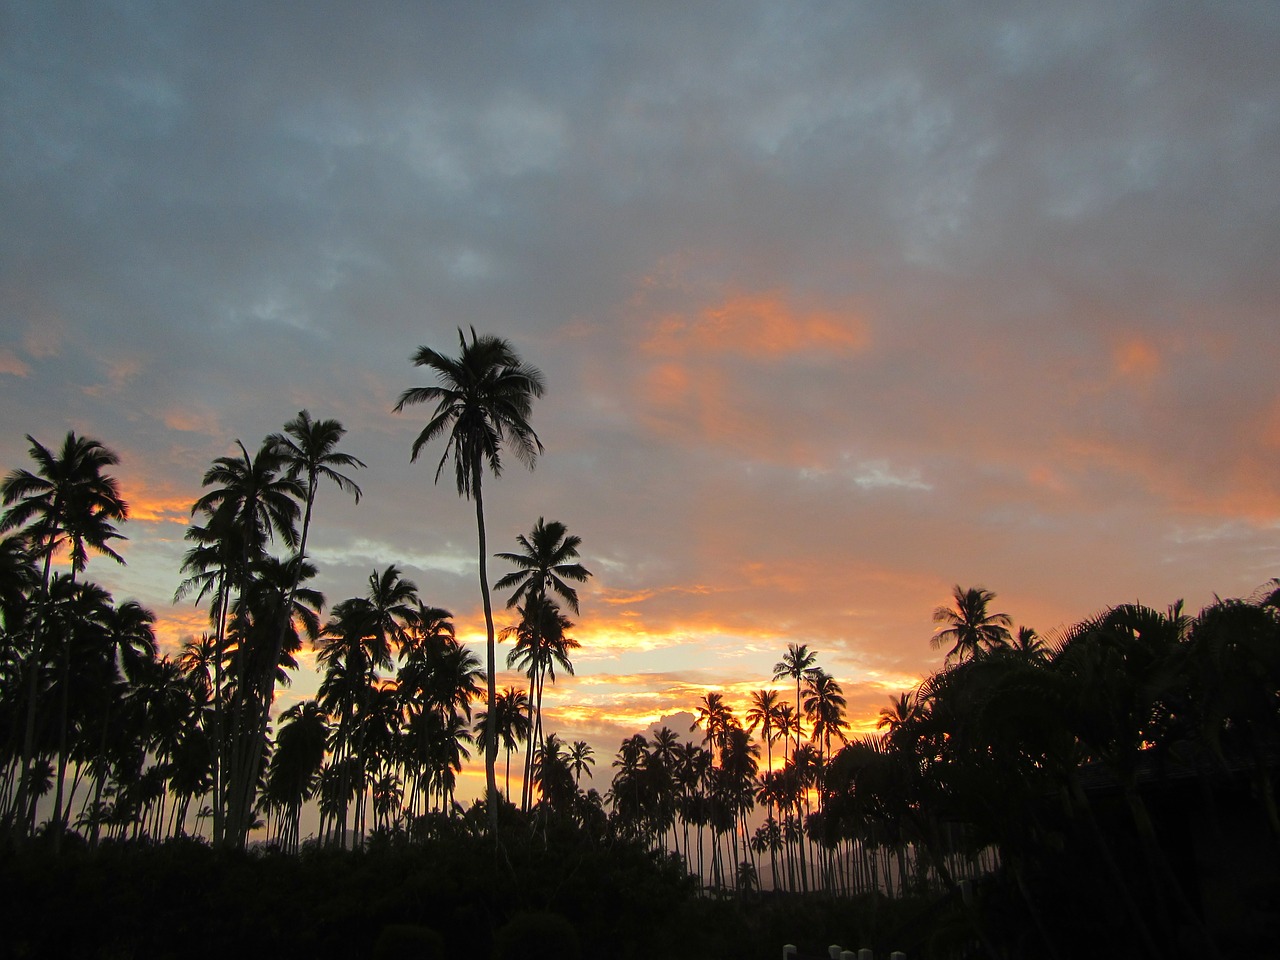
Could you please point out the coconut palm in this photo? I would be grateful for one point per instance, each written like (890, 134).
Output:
(716, 718)
(68, 500)
(542, 642)
(581, 759)
(968, 627)
(512, 726)
(903, 712)
(307, 449)
(483, 399)
(250, 501)
(795, 664)
(271, 616)
(546, 561)
(763, 712)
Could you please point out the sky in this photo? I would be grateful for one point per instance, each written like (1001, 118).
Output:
(839, 305)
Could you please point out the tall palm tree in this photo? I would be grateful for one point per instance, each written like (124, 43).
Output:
(483, 399)
(763, 713)
(904, 711)
(251, 500)
(130, 641)
(716, 718)
(968, 627)
(824, 706)
(270, 618)
(542, 642)
(294, 773)
(798, 660)
(68, 500)
(308, 450)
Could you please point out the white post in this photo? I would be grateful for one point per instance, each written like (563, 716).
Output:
(789, 951)
(897, 955)
(866, 953)
(834, 951)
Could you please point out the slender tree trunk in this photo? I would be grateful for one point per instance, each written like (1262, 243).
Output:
(56, 822)
(20, 820)
(219, 744)
(491, 731)
(265, 686)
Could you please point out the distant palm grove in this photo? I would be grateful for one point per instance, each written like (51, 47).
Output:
(1024, 764)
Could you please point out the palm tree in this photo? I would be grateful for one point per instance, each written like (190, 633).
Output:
(763, 712)
(581, 759)
(716, 719)
(542, 642)
(483, 399)
(307, 449)
(1029, 645)
(129, 635)
(824, 706)
(270, 618)
(512, 726)
(68, 500)
(795, 664)
(968, 627)
(903, 712)
(546, 561)
(250, 502)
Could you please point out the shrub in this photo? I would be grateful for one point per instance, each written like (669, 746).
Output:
(536, 936)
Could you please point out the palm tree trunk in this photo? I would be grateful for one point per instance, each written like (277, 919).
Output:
(20, 820)
(491, 732)
(266, 685)
(224, 595)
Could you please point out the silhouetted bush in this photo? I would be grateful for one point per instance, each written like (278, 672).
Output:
(408, 941)
(536, 936)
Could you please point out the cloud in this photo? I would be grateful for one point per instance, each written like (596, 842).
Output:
(10, 364)
(758, 326)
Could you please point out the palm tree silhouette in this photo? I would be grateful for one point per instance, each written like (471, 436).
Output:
(542, 641)
(250, 502)
(968, 626)
(581, 759)
(763, 713)
(307, 449)
(483, 400)
(512, 726)
(547, 560)
(795, 664)
(68, 500)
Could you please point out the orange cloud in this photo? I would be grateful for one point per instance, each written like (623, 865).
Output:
(1136, 359)
(119, 373)
(156, 509)
(193, 421)
(759, 326)
(10, 364)
(176, 625)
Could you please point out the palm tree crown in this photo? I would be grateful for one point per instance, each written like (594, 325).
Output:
(69, 498)
(547, 560)
(968, 627)
(483, 400)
